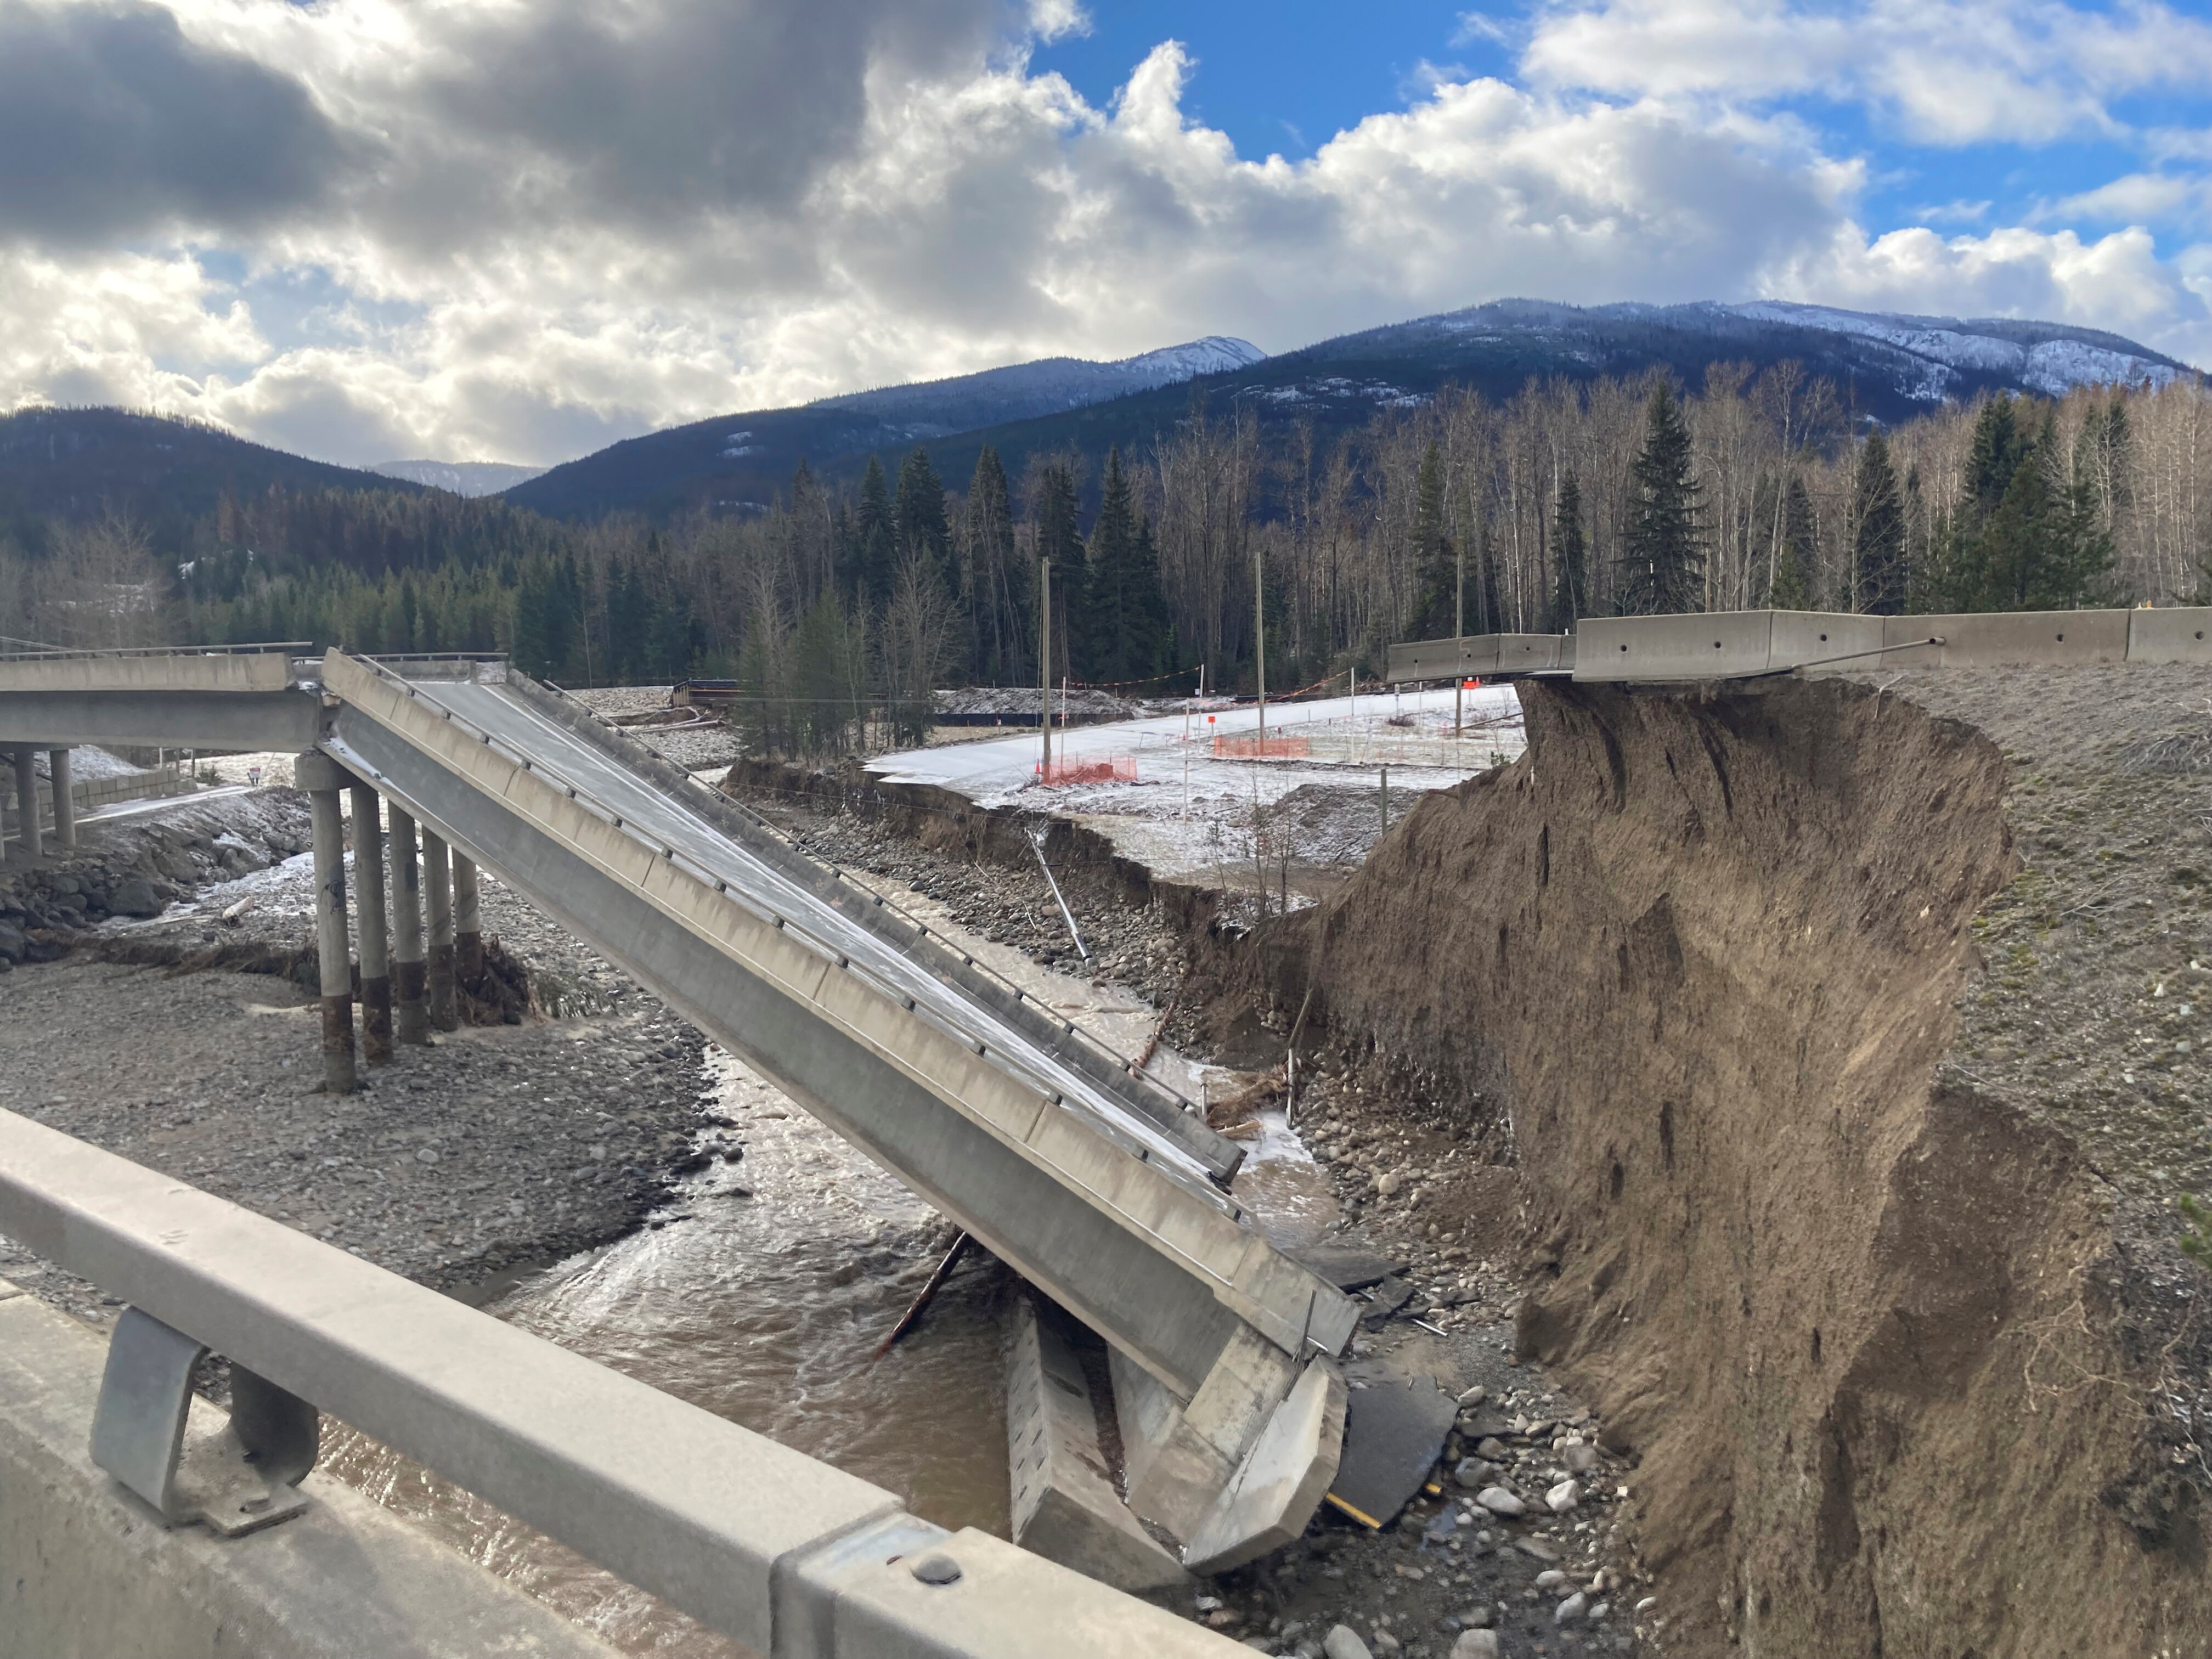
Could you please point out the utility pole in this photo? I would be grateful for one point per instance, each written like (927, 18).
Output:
(1260, 644)
(1044, 663)
(1459, 638)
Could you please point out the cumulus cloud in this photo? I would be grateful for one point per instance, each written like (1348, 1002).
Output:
(1949, 71)
(114, 122)
(520, 231)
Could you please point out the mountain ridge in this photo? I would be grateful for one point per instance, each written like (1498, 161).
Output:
(1892, 365)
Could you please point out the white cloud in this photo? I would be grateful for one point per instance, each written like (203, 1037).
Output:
(535, 229)
(1946, 71)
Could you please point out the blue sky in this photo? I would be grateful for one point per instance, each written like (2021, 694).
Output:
(480, 231)
(1285, 76)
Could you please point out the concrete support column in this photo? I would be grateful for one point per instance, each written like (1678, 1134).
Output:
(324, 781)
(30, 837)
(407, 932)
(375, 938)
(468, 921)
(438, 891)
(57, 773)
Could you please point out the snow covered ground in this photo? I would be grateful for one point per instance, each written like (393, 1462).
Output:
(1188, 810)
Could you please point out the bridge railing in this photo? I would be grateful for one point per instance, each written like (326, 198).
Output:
(762, 1543)
(289, 648)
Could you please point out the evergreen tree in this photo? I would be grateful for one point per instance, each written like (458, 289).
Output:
(2000, 448)
(828, 657)
(1569, 556)
(1435, 560)
(1061, 548)
(1125, 615)
(1878, 539)
(869, 557)
(918, 518)
(1792, 587)
(997, 622)
(1663, 560)
(2043, 546)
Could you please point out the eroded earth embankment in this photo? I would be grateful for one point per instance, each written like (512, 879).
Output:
(1887, 1348)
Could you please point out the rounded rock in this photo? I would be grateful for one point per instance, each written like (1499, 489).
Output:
(1498, 1501)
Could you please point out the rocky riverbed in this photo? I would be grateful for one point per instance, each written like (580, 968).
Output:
(495, 1150)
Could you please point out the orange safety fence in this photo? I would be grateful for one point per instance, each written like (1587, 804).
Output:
(1094, 769)
(1259, 748)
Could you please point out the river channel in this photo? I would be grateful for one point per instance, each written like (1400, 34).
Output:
(761, 1293)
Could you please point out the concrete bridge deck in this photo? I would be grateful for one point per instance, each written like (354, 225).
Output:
(1099, 1186)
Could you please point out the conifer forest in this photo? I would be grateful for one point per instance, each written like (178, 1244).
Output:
(844, 603)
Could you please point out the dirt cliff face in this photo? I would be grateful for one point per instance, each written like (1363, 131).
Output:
(1882, 1356)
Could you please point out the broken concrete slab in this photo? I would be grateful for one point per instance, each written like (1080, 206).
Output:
(1065, 1507)
(1390, 1295)
(1179, 1456)
(1394, 1431)
(1346, 1265)
(1282, 1479)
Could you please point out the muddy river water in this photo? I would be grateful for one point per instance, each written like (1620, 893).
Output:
(760, 1294)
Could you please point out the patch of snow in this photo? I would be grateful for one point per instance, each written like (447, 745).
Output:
(462, 477)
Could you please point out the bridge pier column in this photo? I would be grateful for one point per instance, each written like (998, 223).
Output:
(375, 938)
(324, 781)
(30, 835)
(407, 932)
(468, 921)
(438, 888)
(58, 775)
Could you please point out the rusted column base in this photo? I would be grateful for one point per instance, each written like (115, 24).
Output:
(468, 957)
(414, 1012)
(376, 1021)
(338, 1046)
(445, 1011)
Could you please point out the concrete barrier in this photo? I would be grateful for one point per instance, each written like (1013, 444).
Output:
(2007, 639)
(1744, 644)
(86, 1573)
(1711, 646)
(149, 672)
(2178, 634)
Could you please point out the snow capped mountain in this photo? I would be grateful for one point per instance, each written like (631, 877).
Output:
(2054, 364)
(462, 477)
(1216, 354)
(1022, 391)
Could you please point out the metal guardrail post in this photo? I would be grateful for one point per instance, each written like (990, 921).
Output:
(238, 1482)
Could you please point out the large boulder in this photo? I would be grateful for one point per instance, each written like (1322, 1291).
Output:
(135, 897)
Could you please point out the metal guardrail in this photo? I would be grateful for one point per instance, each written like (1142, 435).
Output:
(259, 649)
(793, 1558)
